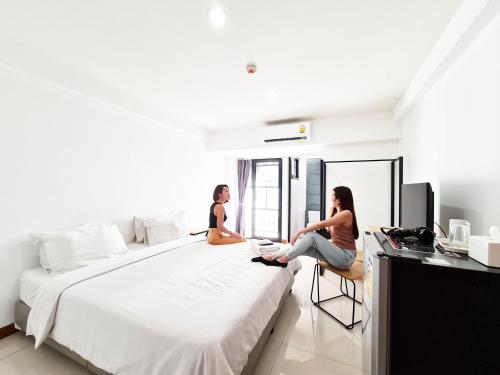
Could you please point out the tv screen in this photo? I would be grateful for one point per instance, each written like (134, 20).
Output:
(417, 206)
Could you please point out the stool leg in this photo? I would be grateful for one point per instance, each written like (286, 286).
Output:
(316, 271)
(317, 280)
(353, 303)
(321, 271)
(343, 281)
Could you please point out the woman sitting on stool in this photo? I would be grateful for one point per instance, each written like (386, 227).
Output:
(341, 251)
(217, 218)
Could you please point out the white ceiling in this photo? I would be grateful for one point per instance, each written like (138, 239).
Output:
(322, 57)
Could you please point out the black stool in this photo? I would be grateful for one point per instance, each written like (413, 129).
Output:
(355, 272)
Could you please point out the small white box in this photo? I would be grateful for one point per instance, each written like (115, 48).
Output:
(485, 250)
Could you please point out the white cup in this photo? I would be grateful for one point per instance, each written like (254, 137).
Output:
(459, 232)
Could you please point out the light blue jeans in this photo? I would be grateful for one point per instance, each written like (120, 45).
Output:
(317, 246)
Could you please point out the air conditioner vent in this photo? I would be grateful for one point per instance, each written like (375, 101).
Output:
(285, 139)
(291, 132)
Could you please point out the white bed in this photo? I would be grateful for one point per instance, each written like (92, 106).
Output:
(184, 307)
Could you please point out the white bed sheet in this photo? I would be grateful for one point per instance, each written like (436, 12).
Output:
(190, 309)
(136, 246)
(32, 278)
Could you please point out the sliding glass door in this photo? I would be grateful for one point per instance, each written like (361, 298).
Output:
(265, 199)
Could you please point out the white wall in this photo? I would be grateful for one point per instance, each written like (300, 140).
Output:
(375, 126)
(298, 198)
(66, 159)
(384, 149)
(230, 178)
(451, 137)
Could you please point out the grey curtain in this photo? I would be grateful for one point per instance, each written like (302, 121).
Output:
(244, 167)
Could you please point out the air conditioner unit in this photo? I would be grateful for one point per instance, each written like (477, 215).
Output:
(293, 132)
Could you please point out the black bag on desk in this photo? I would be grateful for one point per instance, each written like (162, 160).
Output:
(324, 232)
(423, 234)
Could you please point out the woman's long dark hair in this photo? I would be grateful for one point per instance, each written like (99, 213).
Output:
(218, 191)
(346, 203)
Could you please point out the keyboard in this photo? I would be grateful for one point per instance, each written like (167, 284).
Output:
(413, 244)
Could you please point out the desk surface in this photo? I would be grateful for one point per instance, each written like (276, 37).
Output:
(461, 261)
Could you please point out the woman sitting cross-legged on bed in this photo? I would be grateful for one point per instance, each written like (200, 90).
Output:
(341, 251)
(216, 228)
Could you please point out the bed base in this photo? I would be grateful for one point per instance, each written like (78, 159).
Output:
(22, 312)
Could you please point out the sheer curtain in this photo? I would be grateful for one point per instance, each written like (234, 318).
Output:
(244, 167)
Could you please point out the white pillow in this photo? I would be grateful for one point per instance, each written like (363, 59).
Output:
(82, 246)
(166, 228)
(140, 230)
(181, 222)
(40, 239)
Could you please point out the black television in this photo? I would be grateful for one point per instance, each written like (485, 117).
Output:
(417, 206)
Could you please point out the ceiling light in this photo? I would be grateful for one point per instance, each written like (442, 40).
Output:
(217, 16)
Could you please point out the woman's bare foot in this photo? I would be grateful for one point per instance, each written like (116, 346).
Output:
(269, 257)
(283, 259)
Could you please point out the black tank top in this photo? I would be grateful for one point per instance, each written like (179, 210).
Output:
(212, 220)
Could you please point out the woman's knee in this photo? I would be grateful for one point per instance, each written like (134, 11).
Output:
(311, 234)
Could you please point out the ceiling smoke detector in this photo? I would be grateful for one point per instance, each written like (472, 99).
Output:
(251, 69)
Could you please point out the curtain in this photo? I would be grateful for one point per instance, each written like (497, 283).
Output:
(244, 167)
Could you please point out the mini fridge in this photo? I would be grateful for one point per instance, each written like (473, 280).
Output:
(428, 313)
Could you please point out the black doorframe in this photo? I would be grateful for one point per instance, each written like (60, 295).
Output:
(280, 185)
(393, 165)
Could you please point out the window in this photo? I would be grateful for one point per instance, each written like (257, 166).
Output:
(294, 169)
(263, 200)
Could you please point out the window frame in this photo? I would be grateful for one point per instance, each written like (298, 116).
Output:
(255, 162)
(294, 168)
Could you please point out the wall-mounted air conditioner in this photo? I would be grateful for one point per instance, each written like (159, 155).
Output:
(293, 132)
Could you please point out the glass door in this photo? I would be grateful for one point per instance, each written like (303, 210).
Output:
(266, 199)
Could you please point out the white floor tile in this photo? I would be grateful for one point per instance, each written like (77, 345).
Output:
(14, 343)
(316, 332)
(292, 361)
(267, 358)
(42, 361)
(289, 315)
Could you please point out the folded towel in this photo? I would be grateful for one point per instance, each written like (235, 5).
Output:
(262, 250)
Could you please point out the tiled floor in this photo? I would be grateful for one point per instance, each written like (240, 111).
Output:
(305, 341)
